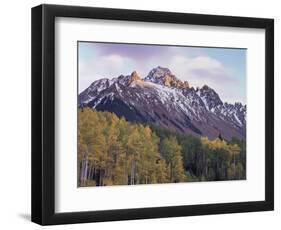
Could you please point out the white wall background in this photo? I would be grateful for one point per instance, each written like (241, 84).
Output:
(15, 114)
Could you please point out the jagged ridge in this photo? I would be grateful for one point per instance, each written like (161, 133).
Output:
(162, 99)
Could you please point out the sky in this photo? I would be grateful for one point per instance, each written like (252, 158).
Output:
(223, 69)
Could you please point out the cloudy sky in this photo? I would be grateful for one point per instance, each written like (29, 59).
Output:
(222, 69)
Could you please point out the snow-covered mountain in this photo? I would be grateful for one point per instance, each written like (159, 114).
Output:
(162, 99)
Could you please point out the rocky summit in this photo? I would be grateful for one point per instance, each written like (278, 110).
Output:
(164, 100)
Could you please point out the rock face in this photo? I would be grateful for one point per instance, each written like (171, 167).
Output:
(135, 76)
(164, 76)
(162, 99)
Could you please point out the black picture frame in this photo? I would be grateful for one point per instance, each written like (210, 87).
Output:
(43, 114)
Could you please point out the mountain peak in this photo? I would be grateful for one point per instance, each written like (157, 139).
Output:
(135, 76)
(164, 76)
(206, 87)
(163, 69)
(209, 97)
(126, 80)
(157, 74)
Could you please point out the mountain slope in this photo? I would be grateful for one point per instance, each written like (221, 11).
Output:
(162, 99)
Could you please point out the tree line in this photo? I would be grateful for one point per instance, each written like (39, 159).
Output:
(112, 151)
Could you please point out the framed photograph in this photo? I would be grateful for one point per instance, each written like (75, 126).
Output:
(143, 114)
